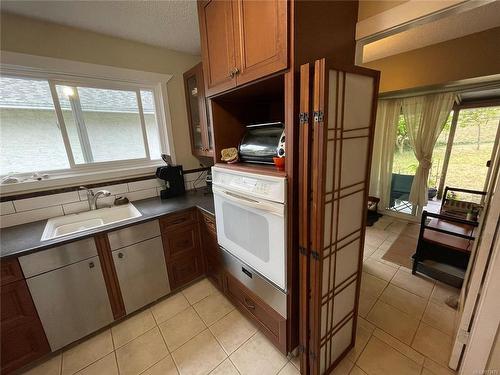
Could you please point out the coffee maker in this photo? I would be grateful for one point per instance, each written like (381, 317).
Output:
(173, 176)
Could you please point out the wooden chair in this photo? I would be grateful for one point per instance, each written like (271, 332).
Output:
(443, 247)
(451, 206)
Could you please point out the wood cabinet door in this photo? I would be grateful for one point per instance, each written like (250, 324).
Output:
(217, 44)
(181, 241)
(261, 38)
(196, 104)
(23, 338)
(185, 269)
(341, 110)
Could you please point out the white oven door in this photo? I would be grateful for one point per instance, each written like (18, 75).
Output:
(253, 230)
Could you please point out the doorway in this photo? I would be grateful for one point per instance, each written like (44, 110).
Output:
(472, 138)
(460, 158)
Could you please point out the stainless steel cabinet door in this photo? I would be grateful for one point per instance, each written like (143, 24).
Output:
(142, 273)
(71, 301)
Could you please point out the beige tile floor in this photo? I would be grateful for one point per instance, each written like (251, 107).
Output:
(404, 328)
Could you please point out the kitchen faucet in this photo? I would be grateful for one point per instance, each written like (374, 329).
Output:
(92, 197)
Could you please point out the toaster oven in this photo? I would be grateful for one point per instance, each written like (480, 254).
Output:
(262, 142)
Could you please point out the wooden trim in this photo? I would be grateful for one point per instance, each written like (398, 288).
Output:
(291, 170)
(304, 182)
(376, 82)
(110, 276)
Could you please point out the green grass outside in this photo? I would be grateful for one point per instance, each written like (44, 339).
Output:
(467, 167)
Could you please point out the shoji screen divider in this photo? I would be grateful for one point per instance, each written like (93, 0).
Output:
(337, 120)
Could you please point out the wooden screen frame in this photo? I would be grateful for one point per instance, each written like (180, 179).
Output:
(312, 203)
(305, 134)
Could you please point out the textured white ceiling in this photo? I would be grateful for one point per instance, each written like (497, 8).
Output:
(169, 24)
(454, 26)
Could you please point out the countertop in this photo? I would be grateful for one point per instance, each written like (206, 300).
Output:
(24, 239)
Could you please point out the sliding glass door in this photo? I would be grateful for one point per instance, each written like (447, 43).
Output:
(460, 157)
(471, 148)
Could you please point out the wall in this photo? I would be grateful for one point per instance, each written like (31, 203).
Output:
(474, 55)
(370, 8)
(27, 35)
(21, 211)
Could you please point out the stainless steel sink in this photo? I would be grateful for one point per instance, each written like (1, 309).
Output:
(70, 224)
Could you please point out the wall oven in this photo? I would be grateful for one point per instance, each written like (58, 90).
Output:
(250, 213)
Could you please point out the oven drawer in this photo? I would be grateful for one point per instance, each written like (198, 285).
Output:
(274, 325)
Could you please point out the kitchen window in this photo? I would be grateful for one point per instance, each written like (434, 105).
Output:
(61, 126)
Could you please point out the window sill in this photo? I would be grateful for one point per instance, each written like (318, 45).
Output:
(57, 181)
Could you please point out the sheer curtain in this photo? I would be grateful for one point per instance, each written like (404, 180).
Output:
(425, 117)
(383, 149)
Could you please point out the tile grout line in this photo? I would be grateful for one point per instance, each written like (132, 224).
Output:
(114, 350)
(428, 301)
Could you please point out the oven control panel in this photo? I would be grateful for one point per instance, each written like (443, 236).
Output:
(267, 187)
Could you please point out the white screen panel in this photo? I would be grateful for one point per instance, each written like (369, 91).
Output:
(350, 214)
(347, 262)
(354, 157)
(358, 101)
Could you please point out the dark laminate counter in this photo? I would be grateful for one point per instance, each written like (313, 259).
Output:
(24, 239)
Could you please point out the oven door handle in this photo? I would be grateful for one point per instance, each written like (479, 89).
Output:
(273, 208)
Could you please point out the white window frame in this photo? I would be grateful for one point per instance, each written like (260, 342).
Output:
(72, 73)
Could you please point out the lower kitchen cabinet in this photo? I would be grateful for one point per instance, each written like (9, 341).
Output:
(182, 241)
(142, 273)
(184, 269)
(71, 301)
(23, 339)
(181, 244)
(211, 252)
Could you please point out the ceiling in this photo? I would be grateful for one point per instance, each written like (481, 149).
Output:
(454, 26)
(170, 24)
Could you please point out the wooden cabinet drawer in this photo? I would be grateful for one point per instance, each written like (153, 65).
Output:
(10, 271)
(23, 339)
(273, 324)
(182, 241)
(173, 221)
(183, 270)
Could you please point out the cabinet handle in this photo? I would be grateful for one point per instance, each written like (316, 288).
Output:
(120, 255)
(236, 71)
(91, 265)
(248, 304)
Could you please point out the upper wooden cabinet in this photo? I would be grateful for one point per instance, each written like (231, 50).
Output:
(217, 40)
(200, 127)
(242, 41)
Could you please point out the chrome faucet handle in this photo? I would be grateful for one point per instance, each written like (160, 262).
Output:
(106, 193)
(90, 192)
